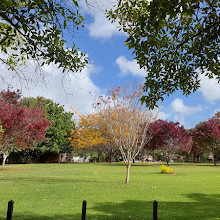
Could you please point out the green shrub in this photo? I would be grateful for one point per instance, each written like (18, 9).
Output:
(165, 169)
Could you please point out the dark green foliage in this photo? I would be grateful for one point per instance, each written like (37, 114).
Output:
(59, 130)
(33, 29)
(23, 156)
(173, 41)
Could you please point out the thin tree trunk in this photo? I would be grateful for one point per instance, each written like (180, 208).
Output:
(128, 172)
(111, 155)
(194, 158)
(215, 159)
(168, 160)
(187, 157)
(4, 159)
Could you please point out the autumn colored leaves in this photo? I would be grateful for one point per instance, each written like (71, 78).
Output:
(22, 126)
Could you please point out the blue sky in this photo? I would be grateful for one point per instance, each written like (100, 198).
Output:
(111, 64)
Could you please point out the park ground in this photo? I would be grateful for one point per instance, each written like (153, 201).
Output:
(56, 191)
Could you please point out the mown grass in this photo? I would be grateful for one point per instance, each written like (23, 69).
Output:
(56, 191)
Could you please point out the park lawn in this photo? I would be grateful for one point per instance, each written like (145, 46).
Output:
(56, 191)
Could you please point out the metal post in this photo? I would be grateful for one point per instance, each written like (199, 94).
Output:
(84, 210)
(155, 210)
(10, 210)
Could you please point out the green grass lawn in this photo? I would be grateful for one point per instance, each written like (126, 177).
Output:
(56, 191)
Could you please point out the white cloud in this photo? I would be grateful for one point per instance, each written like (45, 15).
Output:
(181, 119)
(76, 89)
(162, 115)
(100, 27)
(210, 88)
(129, 67)
(178, 106)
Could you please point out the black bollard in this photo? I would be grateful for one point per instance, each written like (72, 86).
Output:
(84, 210)
(154, 210)
(10, 210)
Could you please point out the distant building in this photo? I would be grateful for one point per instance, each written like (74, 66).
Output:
(81, 159)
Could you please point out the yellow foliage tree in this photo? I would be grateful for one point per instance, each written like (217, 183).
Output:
(91, 134)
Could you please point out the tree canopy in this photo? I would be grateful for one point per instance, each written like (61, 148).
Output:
(206, 137)
(89, 133)
(174, 41)
(169, 137)
(22, 126)
(34, 30)
(56, 138)
(126, 120)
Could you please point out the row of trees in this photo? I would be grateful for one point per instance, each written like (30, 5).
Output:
(121, 126)
(172, 40)
(172, 139)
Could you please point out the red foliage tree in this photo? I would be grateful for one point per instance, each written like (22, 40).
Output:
(197, 143)
(22, 126)
(209, 136)
(168, 137)
(185, 142)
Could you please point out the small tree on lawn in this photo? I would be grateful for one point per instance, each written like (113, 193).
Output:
(22, 126)
(127, 120)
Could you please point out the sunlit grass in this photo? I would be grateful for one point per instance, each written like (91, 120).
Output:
(56, 191)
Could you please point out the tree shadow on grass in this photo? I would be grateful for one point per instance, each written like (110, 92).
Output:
(29, 216)
(48, 180)
(136, 164)
(209, 165)
(201, 206)
(150, 164)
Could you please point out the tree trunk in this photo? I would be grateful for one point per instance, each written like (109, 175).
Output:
(128, 172)
(153, 155)
(111, 155)
(187, 157)
(215, 159)
(168, 160)
(4, 159)
(194, 158)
